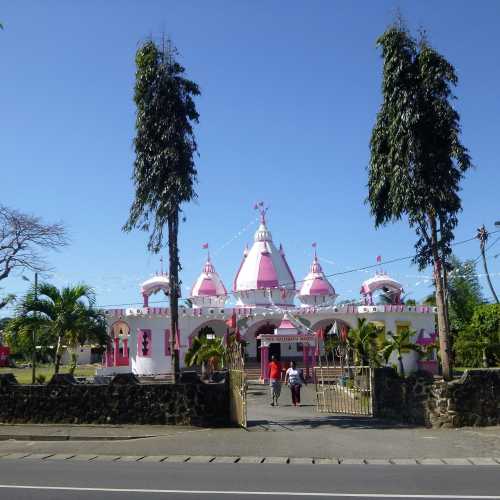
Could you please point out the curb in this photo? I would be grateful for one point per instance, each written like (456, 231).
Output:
(205, 459)
(44, 437)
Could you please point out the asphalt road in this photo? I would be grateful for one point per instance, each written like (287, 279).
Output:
(44, 480)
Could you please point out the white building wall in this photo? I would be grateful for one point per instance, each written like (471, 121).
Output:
(249, 320)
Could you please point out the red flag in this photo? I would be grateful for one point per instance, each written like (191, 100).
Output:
(379, 259)
(204, 246)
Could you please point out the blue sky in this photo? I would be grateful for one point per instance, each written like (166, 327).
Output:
(290, 91)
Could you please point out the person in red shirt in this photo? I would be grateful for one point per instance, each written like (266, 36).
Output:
(274, 372)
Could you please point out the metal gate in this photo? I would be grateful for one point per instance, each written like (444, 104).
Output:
(237, 385)
(340, 387)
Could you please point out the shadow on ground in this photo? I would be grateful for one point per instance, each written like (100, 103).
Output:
(263, 416)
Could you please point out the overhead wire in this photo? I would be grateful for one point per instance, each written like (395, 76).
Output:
(338, 273)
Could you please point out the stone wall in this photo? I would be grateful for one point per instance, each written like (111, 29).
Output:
(474, 399)
(123, 401)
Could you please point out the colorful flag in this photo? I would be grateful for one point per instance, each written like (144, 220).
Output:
(379, 259)
(314, 245)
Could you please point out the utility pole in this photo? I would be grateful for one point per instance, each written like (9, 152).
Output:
(33, 338)
(482, 236)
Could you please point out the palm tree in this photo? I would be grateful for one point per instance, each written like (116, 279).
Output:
(400, 344)
(205, 351)
(67, 315)
(363, 341)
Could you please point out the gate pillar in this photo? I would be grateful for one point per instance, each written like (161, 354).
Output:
(264, 359)
(305, 352)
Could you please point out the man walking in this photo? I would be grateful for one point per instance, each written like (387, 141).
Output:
(274, 370)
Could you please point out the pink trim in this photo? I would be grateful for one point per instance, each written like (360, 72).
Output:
(286, 323)
(207, 287)
(267, 276)
(319, 287)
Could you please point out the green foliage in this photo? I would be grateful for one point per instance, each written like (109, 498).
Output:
(417, 160)
(164, 170)
(203, 351)
(365, 342)
(478, 344)
(400, 344)
(464, 292)
(58, 317)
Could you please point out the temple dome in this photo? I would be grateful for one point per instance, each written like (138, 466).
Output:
(381, 281)
(316, 289)
(264, 276)
(208, 290)
(159, 282)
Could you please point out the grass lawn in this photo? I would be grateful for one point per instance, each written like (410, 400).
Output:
(23, 375)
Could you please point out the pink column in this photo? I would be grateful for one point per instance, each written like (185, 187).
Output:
(264, 358)
(305, 351)
(116, 341)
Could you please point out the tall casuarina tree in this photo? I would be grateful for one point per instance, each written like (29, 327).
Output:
(417, 160)
(164, 168)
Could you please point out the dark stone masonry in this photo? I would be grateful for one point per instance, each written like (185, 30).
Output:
(472, 400)
(124, 400)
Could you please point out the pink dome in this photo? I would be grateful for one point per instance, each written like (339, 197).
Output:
(264, 267)
(208, 289)
(316, 289)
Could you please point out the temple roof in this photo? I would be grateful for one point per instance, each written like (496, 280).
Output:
(264, 266)
(381, 281)
(208, 283)
(316, 285)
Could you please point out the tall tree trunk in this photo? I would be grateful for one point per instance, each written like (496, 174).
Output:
(446, 302)
(173, 250)
(57, 363)
(401, 366)
(443, 329)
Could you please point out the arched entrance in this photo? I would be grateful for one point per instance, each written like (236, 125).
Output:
(274, 349)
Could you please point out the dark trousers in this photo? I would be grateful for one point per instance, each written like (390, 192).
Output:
(295, 388)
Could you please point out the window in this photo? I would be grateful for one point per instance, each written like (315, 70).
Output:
(144, 343)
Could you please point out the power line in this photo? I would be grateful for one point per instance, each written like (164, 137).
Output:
(339, 273)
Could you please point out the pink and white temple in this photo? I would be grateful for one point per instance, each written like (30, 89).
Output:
(272, 312)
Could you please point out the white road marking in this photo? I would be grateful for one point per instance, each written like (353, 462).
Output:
(249, 493)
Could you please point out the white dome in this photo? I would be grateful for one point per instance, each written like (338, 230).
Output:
(264, 276)
(155, 284)
(316, 289)
(381, 281)
(208, 290)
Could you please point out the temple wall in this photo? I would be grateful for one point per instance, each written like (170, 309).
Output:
(157, 360)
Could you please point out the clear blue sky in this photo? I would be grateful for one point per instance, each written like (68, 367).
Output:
(290, 91)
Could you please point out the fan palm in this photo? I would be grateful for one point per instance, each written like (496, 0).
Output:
(203, 351)
(400, 344)
(67, 315)
(363, 341)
